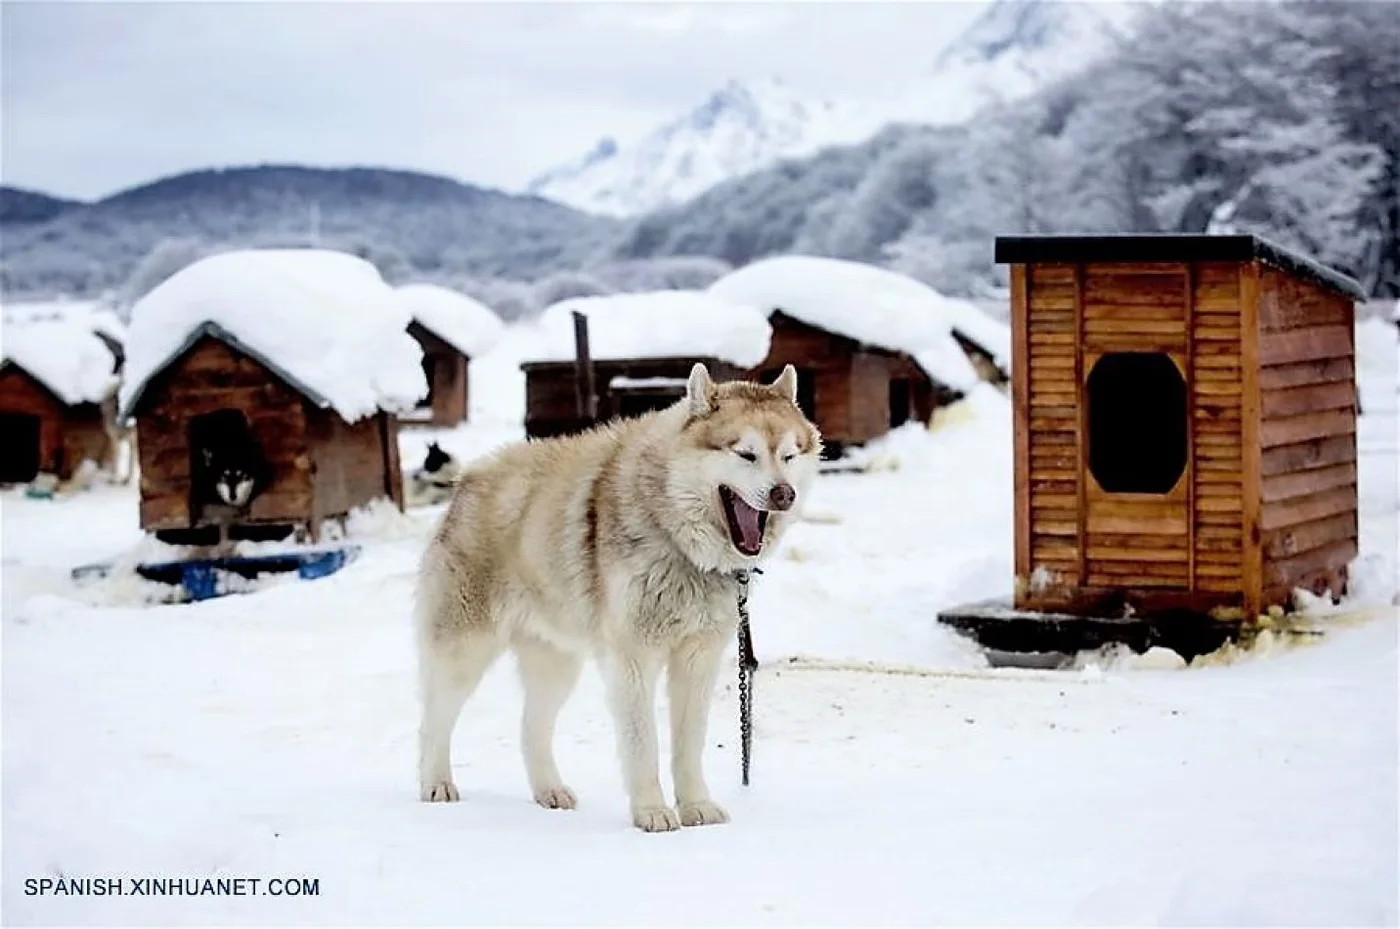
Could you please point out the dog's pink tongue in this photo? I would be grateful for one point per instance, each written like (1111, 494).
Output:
(746, 518)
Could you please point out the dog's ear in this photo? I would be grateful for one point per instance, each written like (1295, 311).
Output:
(700, 391)
(786, 384)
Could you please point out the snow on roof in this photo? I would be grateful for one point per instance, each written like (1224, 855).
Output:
(62, 353)
(324, 321)
(873, 306)
(657, 324)
(465, 324)
(97, 315)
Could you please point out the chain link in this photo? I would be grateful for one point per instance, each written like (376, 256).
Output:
(748, 664)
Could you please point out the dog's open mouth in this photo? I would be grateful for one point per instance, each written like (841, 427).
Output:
(746, 524)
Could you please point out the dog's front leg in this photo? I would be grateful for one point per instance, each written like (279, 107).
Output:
(691, 675)
(631, 681)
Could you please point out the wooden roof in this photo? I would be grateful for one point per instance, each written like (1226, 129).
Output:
(1075, 249)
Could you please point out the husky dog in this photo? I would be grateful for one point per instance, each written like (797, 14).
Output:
(622, 543)
(434, 482)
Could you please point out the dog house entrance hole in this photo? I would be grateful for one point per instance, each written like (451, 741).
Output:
(19, 448)
(900, 391)
(430, 366)
(1137, 422)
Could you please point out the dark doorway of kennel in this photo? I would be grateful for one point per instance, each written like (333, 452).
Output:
(901, 394)
(430, 369)
(1137, 430)
(19, 448)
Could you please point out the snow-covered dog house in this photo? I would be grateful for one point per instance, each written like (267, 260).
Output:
(54, 375)
(305, 350)
(1185, 424)
(872, 348)
(451, 329)
(641, 348)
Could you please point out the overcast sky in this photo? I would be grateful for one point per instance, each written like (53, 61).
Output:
(98, 96)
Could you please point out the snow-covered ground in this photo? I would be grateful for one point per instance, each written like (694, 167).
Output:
(897, 778)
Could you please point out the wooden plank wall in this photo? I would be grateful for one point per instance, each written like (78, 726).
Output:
(449, 389)
(1045, 392)
(830, 359)
(209, 377)
(349, 462)
(1138, 541)
(1307, 496)
(868, 397)
(1216, 425)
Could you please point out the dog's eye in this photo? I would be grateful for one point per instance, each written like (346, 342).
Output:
(789, 457)
(745, 454)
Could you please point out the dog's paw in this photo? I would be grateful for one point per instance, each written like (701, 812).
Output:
(703, 813)
(656, 819)
(556, 798)
(439, 792)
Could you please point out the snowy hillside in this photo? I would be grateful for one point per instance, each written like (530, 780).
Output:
(1015, 48)
(742, 127)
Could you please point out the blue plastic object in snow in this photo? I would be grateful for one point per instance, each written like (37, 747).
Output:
(199, 577)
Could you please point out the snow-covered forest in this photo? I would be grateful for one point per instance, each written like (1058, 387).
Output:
(1280, 118)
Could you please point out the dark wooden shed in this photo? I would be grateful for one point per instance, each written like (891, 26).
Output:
(41, 433)
(555, 403)
(451, 329)
(320, 466)
(854, 392)
(54, 375)
(445, 369)
(1185, 423)
(872, 348)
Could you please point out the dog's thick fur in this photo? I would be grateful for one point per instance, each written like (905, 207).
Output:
(617, 543)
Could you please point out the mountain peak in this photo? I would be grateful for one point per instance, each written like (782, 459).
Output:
(741, 126)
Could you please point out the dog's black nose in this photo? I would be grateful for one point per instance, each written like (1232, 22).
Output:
(782, 496)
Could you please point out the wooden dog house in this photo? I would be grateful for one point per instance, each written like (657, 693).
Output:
(304, 351)
(1185, 423)
(873, 349)
(852, 391)
(321, 465)
(451, 329)
(54, 376)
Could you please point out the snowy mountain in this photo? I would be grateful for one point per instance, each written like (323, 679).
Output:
(1013, 49)
(1008, 52)
(742, 127)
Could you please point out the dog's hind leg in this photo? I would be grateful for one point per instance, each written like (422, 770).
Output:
(631, 682)
(450, 669)
(547, 675)
(690, 676)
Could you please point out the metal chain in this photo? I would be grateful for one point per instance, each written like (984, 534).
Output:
(748, 664)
